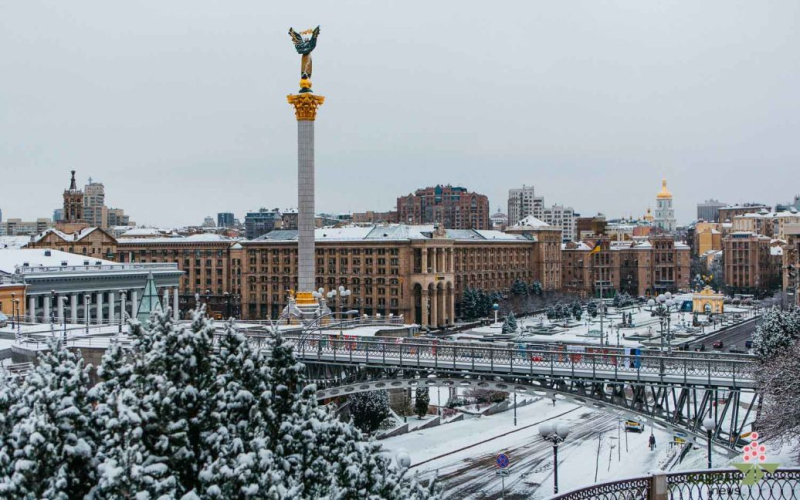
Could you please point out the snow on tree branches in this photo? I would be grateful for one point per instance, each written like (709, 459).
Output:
(778, 331)
(180, 416)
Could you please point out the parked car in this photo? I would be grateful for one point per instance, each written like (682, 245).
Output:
(718, 344)
(633, 426)
(735, 349)
(748, 344)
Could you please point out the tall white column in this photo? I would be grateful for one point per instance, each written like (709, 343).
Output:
(166, 298)
(175, 304)
(46, 312)
(73, 308)
(305, 105)
(32, 309)
(99, 308)
(122, 311)
(111, 304)
(134, 303)
(60, 300)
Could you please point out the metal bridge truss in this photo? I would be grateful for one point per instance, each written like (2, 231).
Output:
(677, 404)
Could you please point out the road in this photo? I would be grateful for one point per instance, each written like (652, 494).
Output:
(734, 335)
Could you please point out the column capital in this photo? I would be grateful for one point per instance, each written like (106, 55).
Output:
(305, 105)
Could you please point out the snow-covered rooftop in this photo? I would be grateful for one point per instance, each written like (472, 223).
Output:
(391, 232)
(11, 259)
(530, 222)
(195, 238)
(14, 241)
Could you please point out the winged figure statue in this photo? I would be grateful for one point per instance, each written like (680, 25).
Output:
(305, 42)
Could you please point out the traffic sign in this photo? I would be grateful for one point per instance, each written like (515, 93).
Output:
(502, 472)
(502, 460)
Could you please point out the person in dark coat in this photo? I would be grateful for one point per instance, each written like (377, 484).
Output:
(652, 442)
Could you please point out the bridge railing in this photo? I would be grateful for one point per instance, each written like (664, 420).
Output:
(782, 484)
(519, 360)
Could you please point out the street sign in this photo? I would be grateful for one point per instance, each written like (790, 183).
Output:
(502, 472)
(502, 460)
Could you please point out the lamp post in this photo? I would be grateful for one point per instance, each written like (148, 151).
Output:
(661, 308)
(343, 294)
(556, 433)
(227, 304)
(208, 301)
(495, 307)
(708, 425)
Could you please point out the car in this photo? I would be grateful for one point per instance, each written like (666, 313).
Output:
(735, 350)
(718, 344)
(633, 426)
(748, 344)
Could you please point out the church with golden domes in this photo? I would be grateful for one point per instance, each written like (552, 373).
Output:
(665, 214)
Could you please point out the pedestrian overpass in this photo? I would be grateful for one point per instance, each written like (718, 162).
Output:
(675, 391)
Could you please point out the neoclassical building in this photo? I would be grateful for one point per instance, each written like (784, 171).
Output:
(71, 288)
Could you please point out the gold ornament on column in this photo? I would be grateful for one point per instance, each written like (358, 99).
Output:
(305, 105)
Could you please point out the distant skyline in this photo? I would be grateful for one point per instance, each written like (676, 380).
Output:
(179, 107)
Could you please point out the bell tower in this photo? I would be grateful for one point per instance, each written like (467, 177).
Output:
(73, 203)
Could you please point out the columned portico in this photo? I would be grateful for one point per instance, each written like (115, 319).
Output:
(112, 304)
(424, 307)
(73, 308)
(134, 302)
(99, 308)
(434, 308)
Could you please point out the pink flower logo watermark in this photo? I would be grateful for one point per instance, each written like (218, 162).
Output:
(755, 462)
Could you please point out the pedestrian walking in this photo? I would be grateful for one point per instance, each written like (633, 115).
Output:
(652, 442)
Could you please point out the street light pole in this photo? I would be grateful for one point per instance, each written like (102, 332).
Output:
(86, 301)
(556, 433)
(52, 313)
(708, 424)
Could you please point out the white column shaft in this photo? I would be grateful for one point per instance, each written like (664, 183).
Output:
(100, 308)
(134, 302)
(111, 305)
(305, 204)
(73, 308)
(175, 304)
(32, 309)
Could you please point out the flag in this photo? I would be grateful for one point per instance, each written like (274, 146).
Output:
(596, 249)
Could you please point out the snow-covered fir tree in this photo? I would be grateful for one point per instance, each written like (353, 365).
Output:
(510, 324)
(369, 409)
(778, 331)
(779, 418)
(422, 400)
(178, 416)
(50, 451)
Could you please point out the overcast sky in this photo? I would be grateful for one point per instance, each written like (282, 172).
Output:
(179, 107)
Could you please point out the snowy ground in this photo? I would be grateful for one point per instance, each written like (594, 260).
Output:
(463, 453)
(645, 330)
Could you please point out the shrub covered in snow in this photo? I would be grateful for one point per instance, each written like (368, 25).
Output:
(369, 409)
(778, 331)
(180, 416)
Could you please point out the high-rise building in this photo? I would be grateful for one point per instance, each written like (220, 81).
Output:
(58, 215)
(452, 207)
(665, 214)
(94, 204)
(564, 218)
(225, 219)
(1, 215)
(260, 222)
(73, 203)
(727, 214)
(708, 211)
(116, 217)
(523, 202)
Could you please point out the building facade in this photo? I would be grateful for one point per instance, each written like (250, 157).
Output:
(94, 204)
(791, 264)
(70, 288)
(564, 218)
(665, 214)
(453, 207)
(708, 211)
(750, 266)
(640, 268)
(523, 202)
(727, 214)
(261, 222)
(225, 219)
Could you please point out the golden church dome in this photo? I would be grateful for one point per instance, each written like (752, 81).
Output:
(664, 193)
